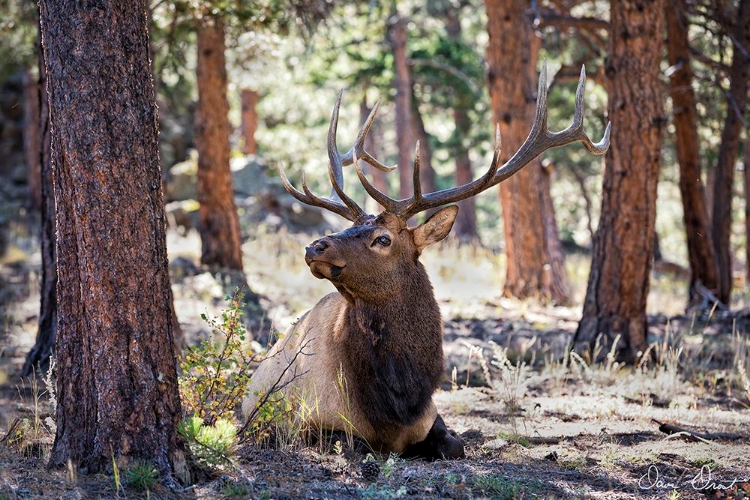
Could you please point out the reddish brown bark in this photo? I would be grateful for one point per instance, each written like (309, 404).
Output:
(512, 55)
(219, 224)
(402, 82)
(615, 304)
(739, 75)
(701, 255)
(249, 101)
(117, 396)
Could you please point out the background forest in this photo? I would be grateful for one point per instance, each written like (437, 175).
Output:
(587, 291)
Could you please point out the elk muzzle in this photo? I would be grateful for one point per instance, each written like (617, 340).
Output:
(323, 264)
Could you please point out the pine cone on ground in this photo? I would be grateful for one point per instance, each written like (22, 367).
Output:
(370, 470)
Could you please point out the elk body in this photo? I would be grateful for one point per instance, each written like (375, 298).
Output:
(368, 359)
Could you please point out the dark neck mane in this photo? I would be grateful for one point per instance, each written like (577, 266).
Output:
(395, 353)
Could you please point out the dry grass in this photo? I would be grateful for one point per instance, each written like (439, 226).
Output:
(538, 421)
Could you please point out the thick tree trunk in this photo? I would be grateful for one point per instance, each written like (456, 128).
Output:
(249, 100)
(615, 305)
(700, 248)
(38, 358)
(219, 224)
(402, 82)
(117, 395)
(739, 74)
(31, 137)
(512, 55)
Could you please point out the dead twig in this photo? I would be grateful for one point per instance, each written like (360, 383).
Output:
(669, 428)
(13, 426)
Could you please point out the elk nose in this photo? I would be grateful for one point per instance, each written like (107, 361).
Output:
(315, 249)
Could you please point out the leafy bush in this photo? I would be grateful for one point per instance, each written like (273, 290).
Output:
(216, 374)
(211, 445)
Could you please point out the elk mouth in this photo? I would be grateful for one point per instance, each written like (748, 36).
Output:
(325, 270)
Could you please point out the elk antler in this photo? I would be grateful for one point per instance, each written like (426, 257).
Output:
(349, 208)
(539, 140)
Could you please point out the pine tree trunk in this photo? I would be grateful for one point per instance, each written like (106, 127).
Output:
(615, 304)
(427, 176)
(739, 75)
(512, 55)
(465, 226)
(117, 396)
(249, 100)
(701, 254)
(38, 357)
(402, 82)
(378, 178)
(219, 224)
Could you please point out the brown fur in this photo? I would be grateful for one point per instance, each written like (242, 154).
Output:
(381, 335)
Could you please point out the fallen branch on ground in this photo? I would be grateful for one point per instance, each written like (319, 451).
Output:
(669, 428)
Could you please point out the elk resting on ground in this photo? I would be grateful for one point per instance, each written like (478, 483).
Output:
(366, 360)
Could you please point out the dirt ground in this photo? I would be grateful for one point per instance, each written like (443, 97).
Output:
(537, 423)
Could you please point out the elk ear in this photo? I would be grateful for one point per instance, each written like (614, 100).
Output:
(435, 228)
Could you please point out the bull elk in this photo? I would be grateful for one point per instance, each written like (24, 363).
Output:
(368, 358)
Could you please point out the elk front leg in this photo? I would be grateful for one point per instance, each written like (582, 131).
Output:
(440, 443)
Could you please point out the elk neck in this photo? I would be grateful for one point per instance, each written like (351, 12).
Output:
(394, 351)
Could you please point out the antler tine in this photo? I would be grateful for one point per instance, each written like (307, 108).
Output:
(417, 180)
(539, 140)
(358, 149)
(385, 201)
(335, 165)
(309, 198)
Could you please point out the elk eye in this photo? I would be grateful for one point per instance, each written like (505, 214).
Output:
(383, 240)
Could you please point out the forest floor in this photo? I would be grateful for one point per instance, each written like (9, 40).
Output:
(537, 423)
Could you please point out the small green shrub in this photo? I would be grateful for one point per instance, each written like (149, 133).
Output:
(497, 486)
(211, 445)
(141, 476)
(216, 374)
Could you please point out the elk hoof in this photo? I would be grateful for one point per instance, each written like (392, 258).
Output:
(440, 443)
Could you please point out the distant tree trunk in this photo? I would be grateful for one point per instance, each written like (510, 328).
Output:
(402, 82)
(739, 74)
(117, 395)
(378, 178)
(426, 172)
(701, 254)
(615, 304)
(38, 357)
(512, 55)
(31, 138)
(249, 99)
(219, 224)
(465, 226)
(555, 276)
